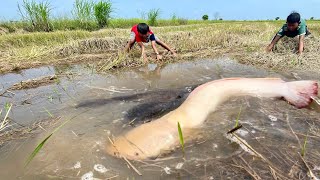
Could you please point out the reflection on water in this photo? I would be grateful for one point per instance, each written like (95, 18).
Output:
(115, 102)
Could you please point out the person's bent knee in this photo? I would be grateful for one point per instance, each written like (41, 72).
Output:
(131, 41)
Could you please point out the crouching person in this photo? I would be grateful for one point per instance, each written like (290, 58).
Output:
(141, 33)
(295, 26)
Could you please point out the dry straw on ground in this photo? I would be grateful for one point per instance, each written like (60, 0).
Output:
(243, 41)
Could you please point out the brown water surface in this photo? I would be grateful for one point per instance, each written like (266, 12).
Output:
(103, 104)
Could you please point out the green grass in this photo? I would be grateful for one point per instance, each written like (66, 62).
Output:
(304, 148)
(36, 150)
(181, 138)
(66, 24)
(83, 10)
(238, 117)
(153, 16)
(102, 12)
(237, 124)
(36, 14)
(90, 24)
(83, 13)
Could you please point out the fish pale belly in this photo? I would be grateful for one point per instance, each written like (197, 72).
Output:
(146, 141)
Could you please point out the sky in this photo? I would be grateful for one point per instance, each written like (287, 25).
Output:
(190, 9)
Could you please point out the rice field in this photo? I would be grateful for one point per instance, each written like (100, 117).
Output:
(244, 41)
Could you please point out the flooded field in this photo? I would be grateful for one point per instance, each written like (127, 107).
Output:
(108, 104)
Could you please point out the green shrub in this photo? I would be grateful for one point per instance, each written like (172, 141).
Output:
(36, 14)
(83, 13)
(153, 16)
(102, 11)
(205, 17)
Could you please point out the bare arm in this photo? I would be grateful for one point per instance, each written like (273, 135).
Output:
(143, 53)
(129, 45)
(153, 43)
(273, 42)
(165, 46)
(301, 44)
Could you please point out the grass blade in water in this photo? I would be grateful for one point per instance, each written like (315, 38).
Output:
(5, 121)
(36, 150)
(48, 112)
(41, 144)
(237, 120)
(303, 150)
(181, 137)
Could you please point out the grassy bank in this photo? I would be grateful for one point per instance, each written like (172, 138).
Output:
(63, 24)
(243, 40)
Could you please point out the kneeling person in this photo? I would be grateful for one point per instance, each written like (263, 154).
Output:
(295, 26)
(141, 33)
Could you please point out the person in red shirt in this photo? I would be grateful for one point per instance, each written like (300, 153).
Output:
(141, 33)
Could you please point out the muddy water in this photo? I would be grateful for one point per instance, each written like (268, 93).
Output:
(102, 105)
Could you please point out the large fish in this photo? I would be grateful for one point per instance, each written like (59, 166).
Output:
(151, 139)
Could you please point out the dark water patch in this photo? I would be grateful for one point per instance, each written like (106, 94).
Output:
(150, 105)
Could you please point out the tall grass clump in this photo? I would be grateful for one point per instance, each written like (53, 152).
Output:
(84, 14)
(174, 20)
(142, 14)
(102, 11)
(153, 16)
(37, 14)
